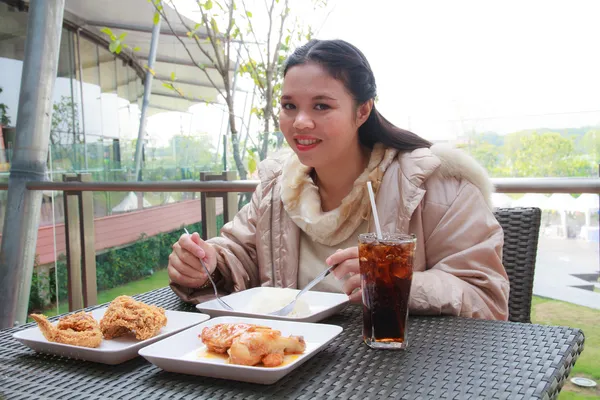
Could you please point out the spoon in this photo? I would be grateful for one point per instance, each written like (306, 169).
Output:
(288, 308)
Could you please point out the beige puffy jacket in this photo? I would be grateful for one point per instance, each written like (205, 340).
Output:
(440, 194)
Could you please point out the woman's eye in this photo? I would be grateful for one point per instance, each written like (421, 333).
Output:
(321, 107)
(288, 106)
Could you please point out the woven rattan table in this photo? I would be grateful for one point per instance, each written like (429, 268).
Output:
(448, 358)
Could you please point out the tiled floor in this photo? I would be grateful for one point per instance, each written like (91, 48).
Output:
(558, 260)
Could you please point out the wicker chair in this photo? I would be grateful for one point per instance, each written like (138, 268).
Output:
(521, 229)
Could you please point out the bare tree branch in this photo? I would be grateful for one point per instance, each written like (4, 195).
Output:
(213, 40)
(228, 37)
(270, 13)
(278, 46)
(163, 15)
(261, 85)
(193, 36)
(252, 30)
(325, 19)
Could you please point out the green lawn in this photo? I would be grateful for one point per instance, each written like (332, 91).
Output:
(552, 312)
(544, 311)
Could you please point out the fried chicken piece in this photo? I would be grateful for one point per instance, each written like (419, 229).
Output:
(80, 329)
(264, 345)
(218, 338)
(124, 315)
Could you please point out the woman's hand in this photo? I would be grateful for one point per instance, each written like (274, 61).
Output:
(184, 264)
(348, 269)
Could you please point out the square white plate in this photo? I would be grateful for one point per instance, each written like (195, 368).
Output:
(321, 305)
(186, 354)
(114, 351)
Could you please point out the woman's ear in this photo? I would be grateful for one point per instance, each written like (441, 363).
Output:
(363, 111)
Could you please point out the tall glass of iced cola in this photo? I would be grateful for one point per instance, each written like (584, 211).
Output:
(386, 269)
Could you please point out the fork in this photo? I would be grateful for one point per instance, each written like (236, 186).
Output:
(288, 308)
(214, 285)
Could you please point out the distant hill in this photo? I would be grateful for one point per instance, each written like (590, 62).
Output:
(497, 139)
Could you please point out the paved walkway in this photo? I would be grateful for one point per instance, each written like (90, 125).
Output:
(558, 260)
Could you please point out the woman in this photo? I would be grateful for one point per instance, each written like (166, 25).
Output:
(311, 205)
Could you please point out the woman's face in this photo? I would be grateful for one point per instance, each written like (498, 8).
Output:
(319, 118)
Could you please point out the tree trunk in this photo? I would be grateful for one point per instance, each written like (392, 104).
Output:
(235, 140)
(280, 137)
(268, 111)
(264, 150)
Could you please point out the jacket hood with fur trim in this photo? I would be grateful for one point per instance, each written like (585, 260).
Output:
(417, 165)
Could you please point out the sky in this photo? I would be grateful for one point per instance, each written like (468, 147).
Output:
(446, 68)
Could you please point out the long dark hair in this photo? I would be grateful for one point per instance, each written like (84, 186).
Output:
(348, 64)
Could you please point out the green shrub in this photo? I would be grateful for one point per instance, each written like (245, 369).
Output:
(36, 300)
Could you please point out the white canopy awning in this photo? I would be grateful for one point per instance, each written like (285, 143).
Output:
(130, 203)
(136, 18)
(531, 200)
(501, 200)
(586, 202)
(560, 202)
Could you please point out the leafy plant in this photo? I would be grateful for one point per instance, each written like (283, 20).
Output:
(64, 131)
(117, 43)
(4, 118)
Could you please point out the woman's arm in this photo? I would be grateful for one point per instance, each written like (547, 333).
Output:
(237, 265)
(464, 275)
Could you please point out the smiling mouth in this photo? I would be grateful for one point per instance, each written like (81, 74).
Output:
(307, 142)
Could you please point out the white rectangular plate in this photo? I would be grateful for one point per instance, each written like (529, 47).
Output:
(186, 354)
(114, 351)
(321, 305)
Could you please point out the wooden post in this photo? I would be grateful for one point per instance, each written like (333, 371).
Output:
(208, 210)
(140, 200)
(88, 244)
(208, 204)
(73, 246)
(80, 245)
(230, 199)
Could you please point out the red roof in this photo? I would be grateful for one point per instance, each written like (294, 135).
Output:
(123, 229)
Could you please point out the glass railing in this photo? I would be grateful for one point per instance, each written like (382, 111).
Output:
(131, 244)
(135, 224)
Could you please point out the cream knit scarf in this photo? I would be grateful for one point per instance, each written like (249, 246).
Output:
(302, 202)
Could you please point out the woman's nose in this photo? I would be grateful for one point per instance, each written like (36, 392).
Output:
(303, 121)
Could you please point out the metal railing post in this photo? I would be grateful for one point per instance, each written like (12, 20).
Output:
(146, 99)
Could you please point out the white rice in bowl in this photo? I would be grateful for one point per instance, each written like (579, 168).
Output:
(270, 299)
